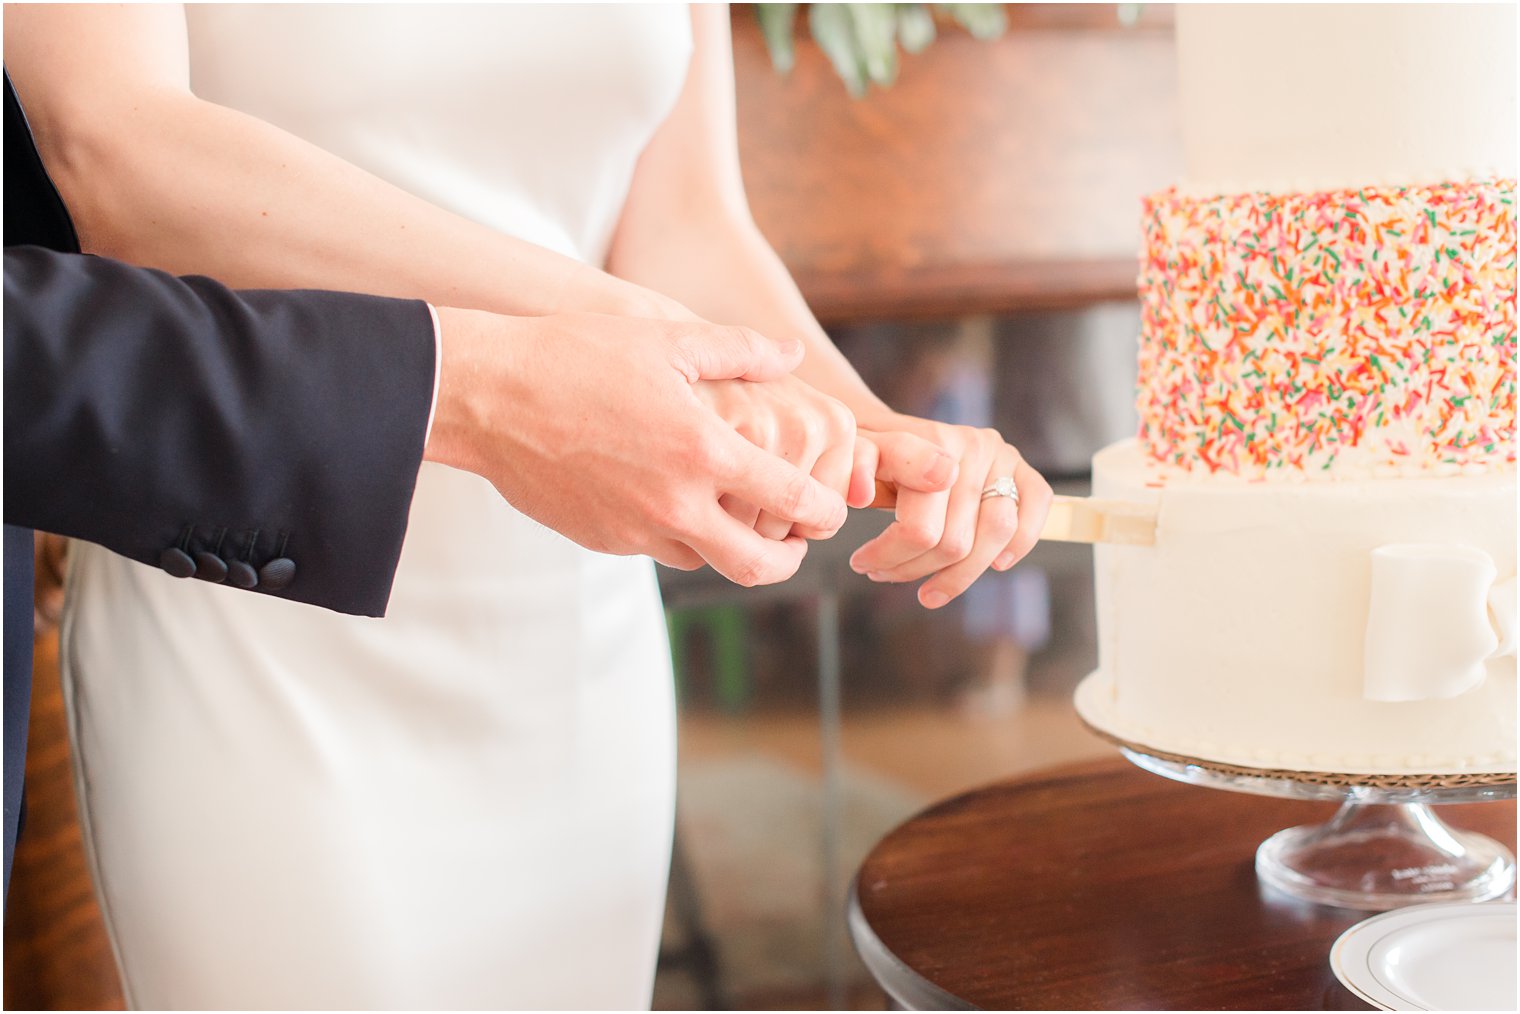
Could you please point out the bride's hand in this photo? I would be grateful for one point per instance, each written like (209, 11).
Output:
(817, 434)
(796, 422)
(954, 534)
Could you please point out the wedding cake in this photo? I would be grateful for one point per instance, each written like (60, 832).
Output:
(1327, 403)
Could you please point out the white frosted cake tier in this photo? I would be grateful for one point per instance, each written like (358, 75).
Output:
(1241, 636)
(1300, 97)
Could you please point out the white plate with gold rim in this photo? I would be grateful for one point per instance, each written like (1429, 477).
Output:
(1453, 956)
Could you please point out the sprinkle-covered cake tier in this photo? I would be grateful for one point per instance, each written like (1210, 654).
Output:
(1368, 329)
(1327, 406)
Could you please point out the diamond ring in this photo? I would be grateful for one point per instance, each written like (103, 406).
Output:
(1002, 487)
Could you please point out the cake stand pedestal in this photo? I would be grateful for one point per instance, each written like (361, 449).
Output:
(1384, 848)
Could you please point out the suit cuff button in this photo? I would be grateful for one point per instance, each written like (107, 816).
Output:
(210, 567)
(277, 574)
(176, 562)
(241, 574)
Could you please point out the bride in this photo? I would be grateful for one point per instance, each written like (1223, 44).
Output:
(469, 803)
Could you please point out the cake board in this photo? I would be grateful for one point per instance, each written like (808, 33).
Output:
(1383, 849)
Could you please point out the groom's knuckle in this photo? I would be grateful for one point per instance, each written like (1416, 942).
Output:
(704, 452)
(752, 571)
(682, 332)
(622, 534)
(681, 339)
(741, 338)
(669, 513)
(685, 517)
(795, 495)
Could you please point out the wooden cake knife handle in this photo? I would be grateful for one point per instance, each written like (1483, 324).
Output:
(1077, 519)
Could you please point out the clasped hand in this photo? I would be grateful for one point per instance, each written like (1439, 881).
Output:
(944, 531)
(692, 443)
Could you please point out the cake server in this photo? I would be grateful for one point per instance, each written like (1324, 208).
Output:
(1077, 518)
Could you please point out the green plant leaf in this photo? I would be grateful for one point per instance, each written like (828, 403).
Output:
(776, 21)
(861, 40)
(876, 36)
(834, 29)
(983, 21)
(915, 27)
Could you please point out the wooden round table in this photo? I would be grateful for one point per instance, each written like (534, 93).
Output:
(1099, 886)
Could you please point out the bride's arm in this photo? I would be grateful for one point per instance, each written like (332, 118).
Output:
(686, 231)
(688, 193)
(155, 176)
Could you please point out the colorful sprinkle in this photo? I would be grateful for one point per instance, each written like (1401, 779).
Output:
(1364, 328)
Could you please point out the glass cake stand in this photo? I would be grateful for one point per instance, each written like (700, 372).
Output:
(1384, 848)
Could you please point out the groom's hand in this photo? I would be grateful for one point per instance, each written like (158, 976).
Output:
(590, 424)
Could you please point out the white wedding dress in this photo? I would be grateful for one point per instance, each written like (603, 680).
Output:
(468, 803)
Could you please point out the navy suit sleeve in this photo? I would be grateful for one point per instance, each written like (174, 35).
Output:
(147, 413)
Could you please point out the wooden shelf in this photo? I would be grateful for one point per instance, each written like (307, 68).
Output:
(945, 291)
(991, 177)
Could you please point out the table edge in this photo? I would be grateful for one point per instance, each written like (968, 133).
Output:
(904, 986)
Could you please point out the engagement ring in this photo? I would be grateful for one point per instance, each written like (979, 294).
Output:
(1002, 487)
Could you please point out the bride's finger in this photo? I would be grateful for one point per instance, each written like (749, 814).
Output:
(905, 461)
(920, 523)
(957, 535)
(776, 486)
(863, 467)
(998, 520)
(830, 465)
(772, 527)
(1035, 498)
(835, 465)
(924, 474)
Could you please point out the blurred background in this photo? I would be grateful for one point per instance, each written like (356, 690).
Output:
(968, 234)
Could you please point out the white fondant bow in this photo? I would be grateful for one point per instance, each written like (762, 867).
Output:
(1436, 616)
